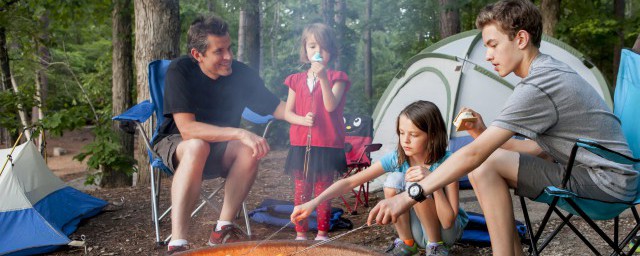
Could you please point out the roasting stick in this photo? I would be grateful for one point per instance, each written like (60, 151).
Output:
(307, 152)
(331, 239)
(267, 239)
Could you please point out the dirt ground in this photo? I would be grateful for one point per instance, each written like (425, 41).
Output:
(125, 228)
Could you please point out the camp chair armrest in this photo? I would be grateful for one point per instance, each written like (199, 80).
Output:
(139, 113)
(596, 148)
(558, 192)
(599, 150)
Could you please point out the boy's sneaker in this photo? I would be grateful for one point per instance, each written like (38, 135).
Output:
(227, 234)
(436, 249)
(399, 248)
(176, 249)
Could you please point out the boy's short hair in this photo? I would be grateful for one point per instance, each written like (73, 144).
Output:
(512, 16)
(200, 30)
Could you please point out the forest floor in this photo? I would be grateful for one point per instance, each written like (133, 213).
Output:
(125, 228)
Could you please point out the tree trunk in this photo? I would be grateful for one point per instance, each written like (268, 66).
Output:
(249, 34)
(157, 36)
(449, 19)
(550, 12)
(22, 113)
(273, 33)
(5, 78)
(42, 81)
(122, 82)
(341, 10)
(636, 45)
(328, 12)
(211, 6)
(618, 9)
(368, 80)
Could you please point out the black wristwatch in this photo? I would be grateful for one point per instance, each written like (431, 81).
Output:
(416, 193)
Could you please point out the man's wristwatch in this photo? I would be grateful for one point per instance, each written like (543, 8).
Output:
(416, 193)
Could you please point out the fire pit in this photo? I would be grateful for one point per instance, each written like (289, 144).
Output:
(282, 248)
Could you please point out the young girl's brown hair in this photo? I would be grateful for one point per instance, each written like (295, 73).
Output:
(426, 116)
(323, 35)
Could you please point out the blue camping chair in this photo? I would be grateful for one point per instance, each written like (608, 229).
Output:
(138, 114)
(627, 93)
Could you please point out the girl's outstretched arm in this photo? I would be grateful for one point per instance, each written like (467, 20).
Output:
(290, 115)
(338, 188)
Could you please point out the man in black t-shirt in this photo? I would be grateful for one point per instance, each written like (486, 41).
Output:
(203, 104)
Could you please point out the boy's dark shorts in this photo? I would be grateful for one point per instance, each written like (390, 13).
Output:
(213, 168)
(535, 174)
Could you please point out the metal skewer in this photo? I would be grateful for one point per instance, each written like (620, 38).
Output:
(267, 239)
(307, 152)
(331, 239)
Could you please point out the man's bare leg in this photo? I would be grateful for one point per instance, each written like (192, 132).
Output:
(185, 187)
(491, 182)
(242, 173)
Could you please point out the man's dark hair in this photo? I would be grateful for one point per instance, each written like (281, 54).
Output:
(201, 28)
(512, 16)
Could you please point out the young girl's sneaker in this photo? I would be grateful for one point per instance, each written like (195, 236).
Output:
(321, 238)
(399, 248)
(437, 249)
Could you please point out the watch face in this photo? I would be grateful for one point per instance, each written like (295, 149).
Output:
(414, 190)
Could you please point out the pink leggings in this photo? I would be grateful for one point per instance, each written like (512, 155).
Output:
(303, 195)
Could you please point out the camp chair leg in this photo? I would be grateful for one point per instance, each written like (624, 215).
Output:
(532, 241)
(361, 194)
(366, 196)
(346, 204)
(593, 225)
(616, 221)
(154, 206)
(631, 234)
(246, 219)
(545, 219)
(566, 220)
(207, 199)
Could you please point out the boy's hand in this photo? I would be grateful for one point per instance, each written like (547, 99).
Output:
(474, 128)
(388, 210)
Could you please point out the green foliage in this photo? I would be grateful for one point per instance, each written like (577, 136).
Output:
(78, 39)
(106, 150)
(66, 119)
(590, 27)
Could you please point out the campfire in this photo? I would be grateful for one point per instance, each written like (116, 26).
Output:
(283, 248)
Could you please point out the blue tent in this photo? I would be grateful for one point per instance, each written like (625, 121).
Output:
(37, 210)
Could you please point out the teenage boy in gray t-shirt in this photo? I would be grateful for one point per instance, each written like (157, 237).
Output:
(552, 106)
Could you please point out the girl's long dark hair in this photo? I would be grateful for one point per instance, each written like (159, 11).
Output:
(426, 116)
